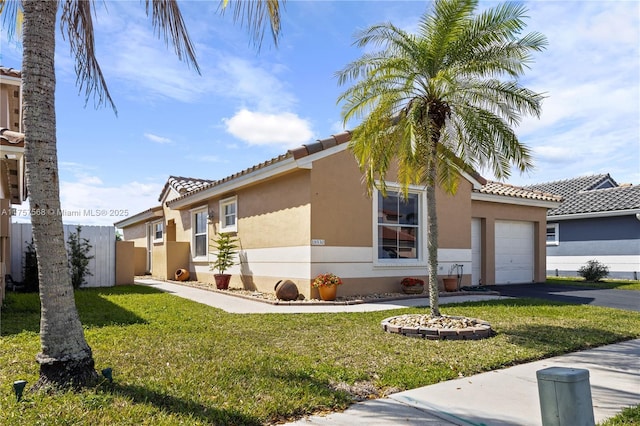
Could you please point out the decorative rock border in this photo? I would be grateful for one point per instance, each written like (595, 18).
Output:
(440, 328)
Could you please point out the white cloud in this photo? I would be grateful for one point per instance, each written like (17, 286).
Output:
(88, 203)
(257, 128)
(157, 139)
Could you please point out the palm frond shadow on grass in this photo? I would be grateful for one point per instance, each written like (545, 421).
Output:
(21, 312)
(176, 405)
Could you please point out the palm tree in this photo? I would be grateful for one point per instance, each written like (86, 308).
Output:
(66, 358)
(441, 101)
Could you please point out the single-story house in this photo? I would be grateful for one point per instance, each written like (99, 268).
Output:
(13, 190)
(597, 220)
(306, 212)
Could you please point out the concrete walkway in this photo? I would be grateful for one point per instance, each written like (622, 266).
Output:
(497, 398)
(240, 305)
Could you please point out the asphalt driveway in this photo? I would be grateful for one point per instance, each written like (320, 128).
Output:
(621, 299)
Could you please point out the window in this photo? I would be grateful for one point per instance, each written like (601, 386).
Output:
(398, 228)
(553, 237)
(158, 229)
(228, 215)
(199, 228)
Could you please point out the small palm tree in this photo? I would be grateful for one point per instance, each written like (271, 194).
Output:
(435, 101)
(66, 358)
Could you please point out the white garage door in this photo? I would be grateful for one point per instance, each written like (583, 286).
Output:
(514, 252)
(476, 251)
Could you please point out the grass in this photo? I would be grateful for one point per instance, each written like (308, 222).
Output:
(605, 284)
(179, 362)
(628, 417)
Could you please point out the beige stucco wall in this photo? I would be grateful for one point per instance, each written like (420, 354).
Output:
(341, 212)
(125, 262)
(489, 213)
(276, 225)
(140, 260)
(274, 213)
(136, 233)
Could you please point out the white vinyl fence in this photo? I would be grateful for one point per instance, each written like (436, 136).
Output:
(103, 248)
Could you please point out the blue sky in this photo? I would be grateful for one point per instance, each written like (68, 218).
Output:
(247, 106)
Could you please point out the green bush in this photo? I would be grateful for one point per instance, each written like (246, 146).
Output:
(593, 271)
(79, 258)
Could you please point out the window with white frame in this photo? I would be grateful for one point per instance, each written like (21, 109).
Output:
(199, 227)
(553, 237)
(158, 231)
(398, 231)
(229, 215)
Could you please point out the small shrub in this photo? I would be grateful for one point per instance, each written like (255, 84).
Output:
(79, 258)
(593, 271)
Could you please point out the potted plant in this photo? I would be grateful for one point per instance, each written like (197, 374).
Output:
(226, 250)
(412, 285)
(450, 281)
(327, 285)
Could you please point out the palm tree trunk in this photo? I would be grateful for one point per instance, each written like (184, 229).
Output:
(432, 240)
(65, 358)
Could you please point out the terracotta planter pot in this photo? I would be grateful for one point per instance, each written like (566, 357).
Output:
(286, 290)
(412, 289)
(328, 292)
(182, 275)
(222, 281)
(450, 284)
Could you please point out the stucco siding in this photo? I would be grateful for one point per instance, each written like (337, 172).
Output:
(136, 233)
(341, 214)
(454, 217)
(275, 213)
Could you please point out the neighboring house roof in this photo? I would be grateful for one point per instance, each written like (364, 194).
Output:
(10, 72)
(503, 189)
(183, 185)
(152, 213)
(12, 148)
(595, 195)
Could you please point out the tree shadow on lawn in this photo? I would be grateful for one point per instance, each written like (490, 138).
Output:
(175, 405)
(21, 311)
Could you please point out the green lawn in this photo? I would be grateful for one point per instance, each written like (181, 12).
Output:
(606, 283)
(629, 417)
(179, 362)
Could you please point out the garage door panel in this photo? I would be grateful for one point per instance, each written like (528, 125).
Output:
(514, 252)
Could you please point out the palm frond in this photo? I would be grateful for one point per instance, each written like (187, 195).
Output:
(76, 25)
(168, 23)
(254, 14)
(12, 17)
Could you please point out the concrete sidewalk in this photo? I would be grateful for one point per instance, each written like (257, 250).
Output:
(240, 305)
(502, 397)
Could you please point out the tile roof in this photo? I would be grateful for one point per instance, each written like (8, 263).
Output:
(498, 188)
(10, 138)
(184, 185)
(10, 72)
(591, 194)
(568, 187)
(297, 153)
(188, 186)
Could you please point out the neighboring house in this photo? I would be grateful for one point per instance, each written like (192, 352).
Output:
(12, 177)
(598, 219)
(306, 212)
